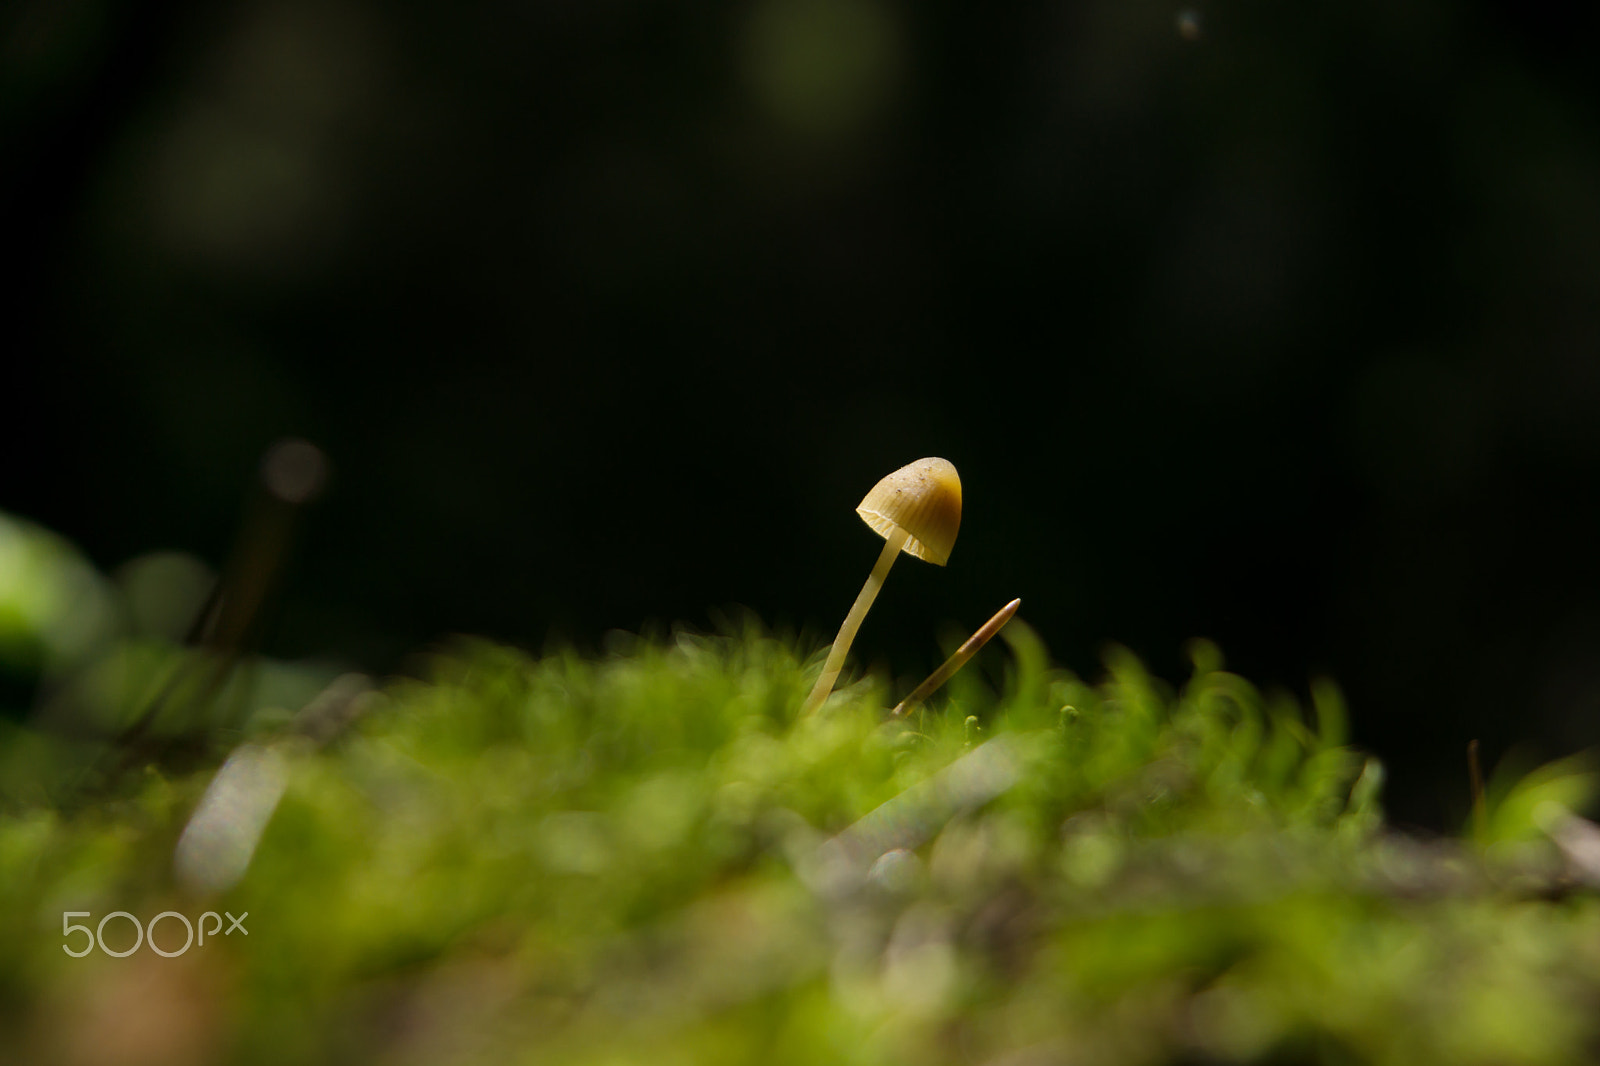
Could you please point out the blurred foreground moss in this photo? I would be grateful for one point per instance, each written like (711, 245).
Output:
(645, 857)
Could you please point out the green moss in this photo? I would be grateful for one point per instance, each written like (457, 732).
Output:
(625, 858)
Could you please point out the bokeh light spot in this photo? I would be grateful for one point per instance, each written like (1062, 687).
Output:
(294, 470)
(823, 66)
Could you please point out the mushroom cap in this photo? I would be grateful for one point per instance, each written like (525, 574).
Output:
(924, 499)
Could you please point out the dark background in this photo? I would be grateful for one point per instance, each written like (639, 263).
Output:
(1272, 323)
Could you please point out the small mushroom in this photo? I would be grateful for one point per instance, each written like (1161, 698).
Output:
(917, 510)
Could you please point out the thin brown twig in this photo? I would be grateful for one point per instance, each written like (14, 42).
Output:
(959, 659)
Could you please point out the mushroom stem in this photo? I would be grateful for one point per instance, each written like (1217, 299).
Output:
(959, 659)
(852, 622)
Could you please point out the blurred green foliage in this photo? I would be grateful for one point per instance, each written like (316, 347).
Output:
(644, 856)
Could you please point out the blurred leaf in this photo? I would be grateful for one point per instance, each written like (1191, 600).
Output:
(1571, 783)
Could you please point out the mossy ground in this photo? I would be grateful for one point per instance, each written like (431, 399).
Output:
(646, 857)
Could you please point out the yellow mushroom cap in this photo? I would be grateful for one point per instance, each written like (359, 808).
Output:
(924, 499)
